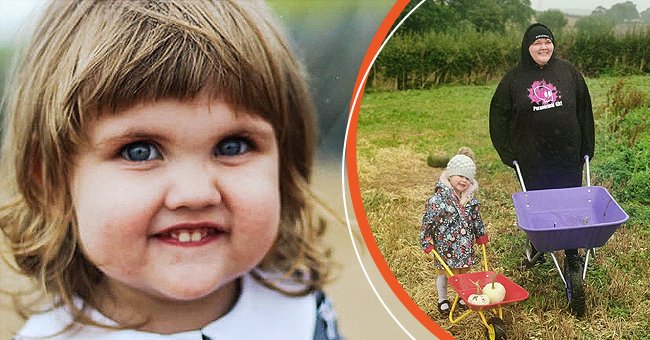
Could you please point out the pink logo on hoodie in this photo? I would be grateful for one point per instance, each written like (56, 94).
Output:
(542, 93)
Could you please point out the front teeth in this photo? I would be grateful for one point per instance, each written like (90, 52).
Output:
(189, 236)
(196, 236)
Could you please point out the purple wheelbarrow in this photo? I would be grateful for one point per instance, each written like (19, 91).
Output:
(570, 218)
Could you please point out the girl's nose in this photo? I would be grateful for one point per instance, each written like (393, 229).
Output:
(192, 186)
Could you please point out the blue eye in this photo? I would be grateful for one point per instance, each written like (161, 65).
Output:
(140, 151)
(232, 147)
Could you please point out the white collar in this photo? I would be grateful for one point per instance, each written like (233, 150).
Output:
(259, 313)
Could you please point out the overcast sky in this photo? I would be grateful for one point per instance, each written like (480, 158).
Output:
(14, 13)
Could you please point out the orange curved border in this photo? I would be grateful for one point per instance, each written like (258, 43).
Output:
(353, 179)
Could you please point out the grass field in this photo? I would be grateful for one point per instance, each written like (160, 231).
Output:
(396, 132)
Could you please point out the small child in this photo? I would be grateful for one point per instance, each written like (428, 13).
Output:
(452, 222)
(156, 161)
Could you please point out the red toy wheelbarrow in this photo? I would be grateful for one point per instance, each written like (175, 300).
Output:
(465, 286)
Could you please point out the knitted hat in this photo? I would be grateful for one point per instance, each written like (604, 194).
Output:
(537, 31)
(461, 165)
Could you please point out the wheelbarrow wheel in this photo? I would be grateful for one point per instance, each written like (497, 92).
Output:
(575, 293)
(496, 329)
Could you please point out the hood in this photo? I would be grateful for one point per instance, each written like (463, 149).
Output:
(526, 59)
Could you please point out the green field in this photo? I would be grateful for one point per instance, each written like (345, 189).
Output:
(396, 133)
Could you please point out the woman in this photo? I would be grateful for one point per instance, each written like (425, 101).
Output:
(541, 116)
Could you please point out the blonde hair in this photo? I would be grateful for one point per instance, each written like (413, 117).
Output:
(97, 56)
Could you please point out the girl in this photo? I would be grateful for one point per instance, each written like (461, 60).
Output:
(157, 158)
(452, 222)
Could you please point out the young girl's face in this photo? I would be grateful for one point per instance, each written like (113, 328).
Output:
(459, 183)
(177, 199)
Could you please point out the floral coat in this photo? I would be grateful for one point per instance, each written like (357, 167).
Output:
(450, 228)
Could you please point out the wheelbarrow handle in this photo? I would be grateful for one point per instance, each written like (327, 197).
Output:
(521, 178)
(448, 270)
(588, 172)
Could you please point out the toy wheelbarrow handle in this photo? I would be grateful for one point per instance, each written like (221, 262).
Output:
(448, 270)
(521, 178)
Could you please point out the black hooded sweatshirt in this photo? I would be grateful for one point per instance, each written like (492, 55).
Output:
(542, 117)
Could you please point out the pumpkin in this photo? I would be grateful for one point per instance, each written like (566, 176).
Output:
(495, 291)
(478, 299)
(437, 160)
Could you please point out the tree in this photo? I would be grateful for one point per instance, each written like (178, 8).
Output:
(517, 13)
(493, 15)
(622, 12)
(594, 25)
(600, 10)
(484, 16)
(645, 15)
(432, 15)
(554, 19)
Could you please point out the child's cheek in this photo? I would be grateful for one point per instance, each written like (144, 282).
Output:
(113, 220)
(260, 216)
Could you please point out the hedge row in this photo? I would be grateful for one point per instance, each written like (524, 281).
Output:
(608, 54)
(420, 61)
